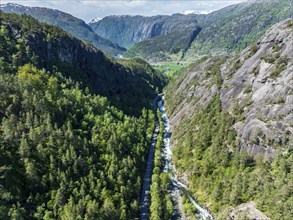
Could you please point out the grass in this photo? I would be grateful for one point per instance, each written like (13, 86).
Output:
(280, 65)
(169, 68)
(234, 68)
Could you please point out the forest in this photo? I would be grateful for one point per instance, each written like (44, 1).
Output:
(65, 151)
(130, 85)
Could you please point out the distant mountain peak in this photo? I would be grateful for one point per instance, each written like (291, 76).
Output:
(12, 5)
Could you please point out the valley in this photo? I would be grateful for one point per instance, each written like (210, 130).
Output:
(179, 116)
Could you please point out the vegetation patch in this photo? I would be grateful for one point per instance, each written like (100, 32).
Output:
(268, 58)
(247, 89)
(213, 70)
(169, 68)
(280, 65)
(255, 71)
(278, 100)
(161, 204)
(237, 64)
(188, 208)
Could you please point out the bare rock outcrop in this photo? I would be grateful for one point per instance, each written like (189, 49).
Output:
(258, 83)
(262, 85)
(247, 211)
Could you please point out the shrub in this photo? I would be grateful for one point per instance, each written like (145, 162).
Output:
(247, 89)
(281, 65)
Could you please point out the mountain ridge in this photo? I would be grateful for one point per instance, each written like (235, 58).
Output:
(241, 25)
(69, 23)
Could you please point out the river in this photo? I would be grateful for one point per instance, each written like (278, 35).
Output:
(178, 187)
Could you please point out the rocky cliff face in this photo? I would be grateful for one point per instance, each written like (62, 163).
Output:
(257, 83)
(246, 210)
(170, 47)
(264, 80)
(126, 30)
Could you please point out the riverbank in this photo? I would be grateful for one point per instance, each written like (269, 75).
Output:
(178, 188)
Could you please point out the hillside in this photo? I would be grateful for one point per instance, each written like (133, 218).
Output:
(65, 151)
(67, 22)
(164, 47)
(237, 26)
(232, 127)
(129, 87)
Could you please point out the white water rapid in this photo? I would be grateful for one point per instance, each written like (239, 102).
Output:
(170, 168)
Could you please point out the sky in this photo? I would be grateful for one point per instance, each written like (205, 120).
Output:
(89, 9)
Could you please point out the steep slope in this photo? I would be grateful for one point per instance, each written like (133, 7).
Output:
(127, 30)
(232, 127)
(65, 151)
(130, 86)
(67, 22)
(167, 47)
(236, 27)
(153, 38)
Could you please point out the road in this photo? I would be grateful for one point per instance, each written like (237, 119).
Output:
(147, 180)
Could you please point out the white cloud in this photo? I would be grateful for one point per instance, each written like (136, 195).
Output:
(89, 9)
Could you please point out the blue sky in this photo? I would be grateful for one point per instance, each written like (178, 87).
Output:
(89, 9)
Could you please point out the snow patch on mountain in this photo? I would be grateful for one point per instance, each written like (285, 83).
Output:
(96, 19)
(188, 12)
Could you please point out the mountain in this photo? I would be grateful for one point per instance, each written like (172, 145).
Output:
(53, 49)
(127, 30)
(152, 38)
(171, 46)
(67, 22)
(193, 35)
(232, 126)
(66, 152)
(237, 26)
